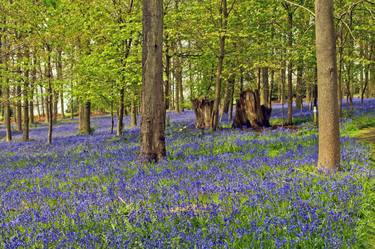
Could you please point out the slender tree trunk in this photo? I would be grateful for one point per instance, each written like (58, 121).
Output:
(329, 131)
(220, 63)
(25, 130)
(299, 86)
(7, 111)
(271, 88)
(152, 105)
(168, 74)
(178, 81)
(290, 69)
(229, 93)
(18, 108)
(341, 60)
(49, 96)
(283, 83)
(55, 97)
(133, 113)
(42, 101)
(112, 118)
(6, 94)
(59, 68)
(121, 110)
(265, 90)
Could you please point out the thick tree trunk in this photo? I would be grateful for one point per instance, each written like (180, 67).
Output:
(250, 112)
(203, 113)
(152, 105)
(121, 110)
(85, 118)
(329, 133)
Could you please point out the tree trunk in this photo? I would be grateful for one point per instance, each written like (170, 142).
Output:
(299, 86)
(290, 69)
(133, 113)
(18, 108)
(59, 69)
(341, 60)
(168, 74)
(203, 113)
(25, 130)
(178, 81)
(229, 93)
(6, 94)
(152, 105)
(220, 63)
(112, 118)
(7, 111)
(329, 133)
(121, 109)
(84, 118)
(272, 84)
(283, 83)
(250, 112)
(55, 97)
(49, 96)
(42, 101)
(265, 87)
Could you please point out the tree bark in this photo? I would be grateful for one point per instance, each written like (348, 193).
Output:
(49, 95)
(265, 87)
(329, 133)
(168, 74)
(59, 69)
(299, 86)
(250, 112)
(229, 93)
(290, 69)
(25, 130)
(85, 118)
(18, 107)
(220, 63)
(203, 113)
(152, 105)
(133, 113)
(121, 110)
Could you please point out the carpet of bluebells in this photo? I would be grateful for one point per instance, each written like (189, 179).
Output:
(228, 189)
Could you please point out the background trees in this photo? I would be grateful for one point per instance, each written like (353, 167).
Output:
(79, 57)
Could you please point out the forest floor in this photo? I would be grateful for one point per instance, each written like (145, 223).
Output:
(228, 189)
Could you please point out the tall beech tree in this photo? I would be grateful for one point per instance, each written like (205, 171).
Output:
(153, 104)
(329, 133)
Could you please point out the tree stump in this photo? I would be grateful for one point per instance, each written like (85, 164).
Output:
(250, 113)
(203, 112)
